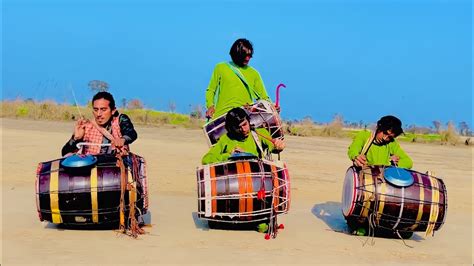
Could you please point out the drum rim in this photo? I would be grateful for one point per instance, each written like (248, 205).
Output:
(345, 210)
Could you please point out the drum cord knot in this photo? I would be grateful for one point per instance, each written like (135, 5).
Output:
(132, 227)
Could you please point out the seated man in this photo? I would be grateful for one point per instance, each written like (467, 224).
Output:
(108, 127)
(380, 147)
(240, 138)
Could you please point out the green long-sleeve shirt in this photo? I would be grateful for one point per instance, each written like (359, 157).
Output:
(378, 154)
(224, 147)
(226, 90)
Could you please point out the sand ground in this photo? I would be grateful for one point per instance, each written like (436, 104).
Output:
(317, 167)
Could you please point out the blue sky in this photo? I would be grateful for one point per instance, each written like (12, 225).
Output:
(360, 59)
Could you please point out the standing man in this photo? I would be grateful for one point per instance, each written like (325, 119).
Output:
(234, 84)
(380, 147)
(107, 127)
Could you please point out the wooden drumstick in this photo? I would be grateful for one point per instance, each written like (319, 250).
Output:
(265, 137)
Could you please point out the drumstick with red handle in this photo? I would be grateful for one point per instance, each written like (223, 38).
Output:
(277, 103)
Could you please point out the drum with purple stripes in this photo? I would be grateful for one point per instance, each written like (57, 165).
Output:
(262, 115)
(242, 191)
(421, 206)
(89, 195)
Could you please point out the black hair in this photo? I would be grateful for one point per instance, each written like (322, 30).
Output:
(233, 119)
(106, 96)
(391, 123)
(238, 53)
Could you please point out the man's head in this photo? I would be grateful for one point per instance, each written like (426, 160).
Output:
(103, 105)
(388, 128)
(241, 52)
(237, 124)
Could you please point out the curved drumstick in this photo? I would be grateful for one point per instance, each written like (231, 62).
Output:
(278, 94)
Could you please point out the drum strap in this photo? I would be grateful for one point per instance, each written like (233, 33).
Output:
(368, 143)
(258, 143)
(127, 184)
(253, 94)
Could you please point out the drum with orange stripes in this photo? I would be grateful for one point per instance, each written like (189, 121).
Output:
(394, 198)
(90, 195)
(243, 191)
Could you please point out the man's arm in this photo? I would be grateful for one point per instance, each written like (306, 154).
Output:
(212, 88)
(357, 144)
(217, 153)
(404, 161)
(126, 129)
(259, 87)
(70, 146)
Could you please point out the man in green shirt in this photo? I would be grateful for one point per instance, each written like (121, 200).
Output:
(241, 138)
(380, 147)
(234, 84)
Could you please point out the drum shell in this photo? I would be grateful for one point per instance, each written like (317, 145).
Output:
(397, 208)
(262, 115)
(227, 188)
(74, 197)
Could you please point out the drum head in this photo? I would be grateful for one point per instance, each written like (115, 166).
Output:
(79, 160)
(242, 156)
(349, 191)
(398, 176)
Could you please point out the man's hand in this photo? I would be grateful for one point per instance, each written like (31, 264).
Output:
(210, 111)
(395, 159)
(80, 129)
(360, 160)
(118, 142)
(278, 108)
(279, 144)
(237, 150)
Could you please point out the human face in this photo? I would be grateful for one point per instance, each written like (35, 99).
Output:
(248, 56)
(102, 112)
(385, 136)
(245, 128)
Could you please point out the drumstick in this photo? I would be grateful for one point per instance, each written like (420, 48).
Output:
(265, 137)
(75, 101)
(278, 94)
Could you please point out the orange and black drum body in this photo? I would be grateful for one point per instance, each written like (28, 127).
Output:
(243, 191)
(89, 195)
(421, 206)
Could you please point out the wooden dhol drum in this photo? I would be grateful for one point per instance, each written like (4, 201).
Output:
(89, 195)
(367, 195)
(242, 191)
(262, 115)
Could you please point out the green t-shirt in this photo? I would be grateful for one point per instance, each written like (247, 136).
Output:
(227, 91)
(224, 147)
(378, 154)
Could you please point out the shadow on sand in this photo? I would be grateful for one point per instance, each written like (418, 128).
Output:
(331, 213)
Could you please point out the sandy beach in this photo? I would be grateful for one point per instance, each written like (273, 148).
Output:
(176, 236)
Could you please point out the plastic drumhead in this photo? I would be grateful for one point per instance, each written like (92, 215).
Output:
(242, 156)
(398, 176)
(349, 191)
(77, 160)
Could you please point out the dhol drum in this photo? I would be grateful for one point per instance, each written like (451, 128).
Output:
(262, 115)
(368, 198)
(243, 191)
(90, 195)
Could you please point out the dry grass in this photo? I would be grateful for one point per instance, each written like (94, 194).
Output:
(50, 110)
(450, 136)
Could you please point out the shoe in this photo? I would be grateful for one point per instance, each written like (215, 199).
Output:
(262, 228)
(360, 231)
